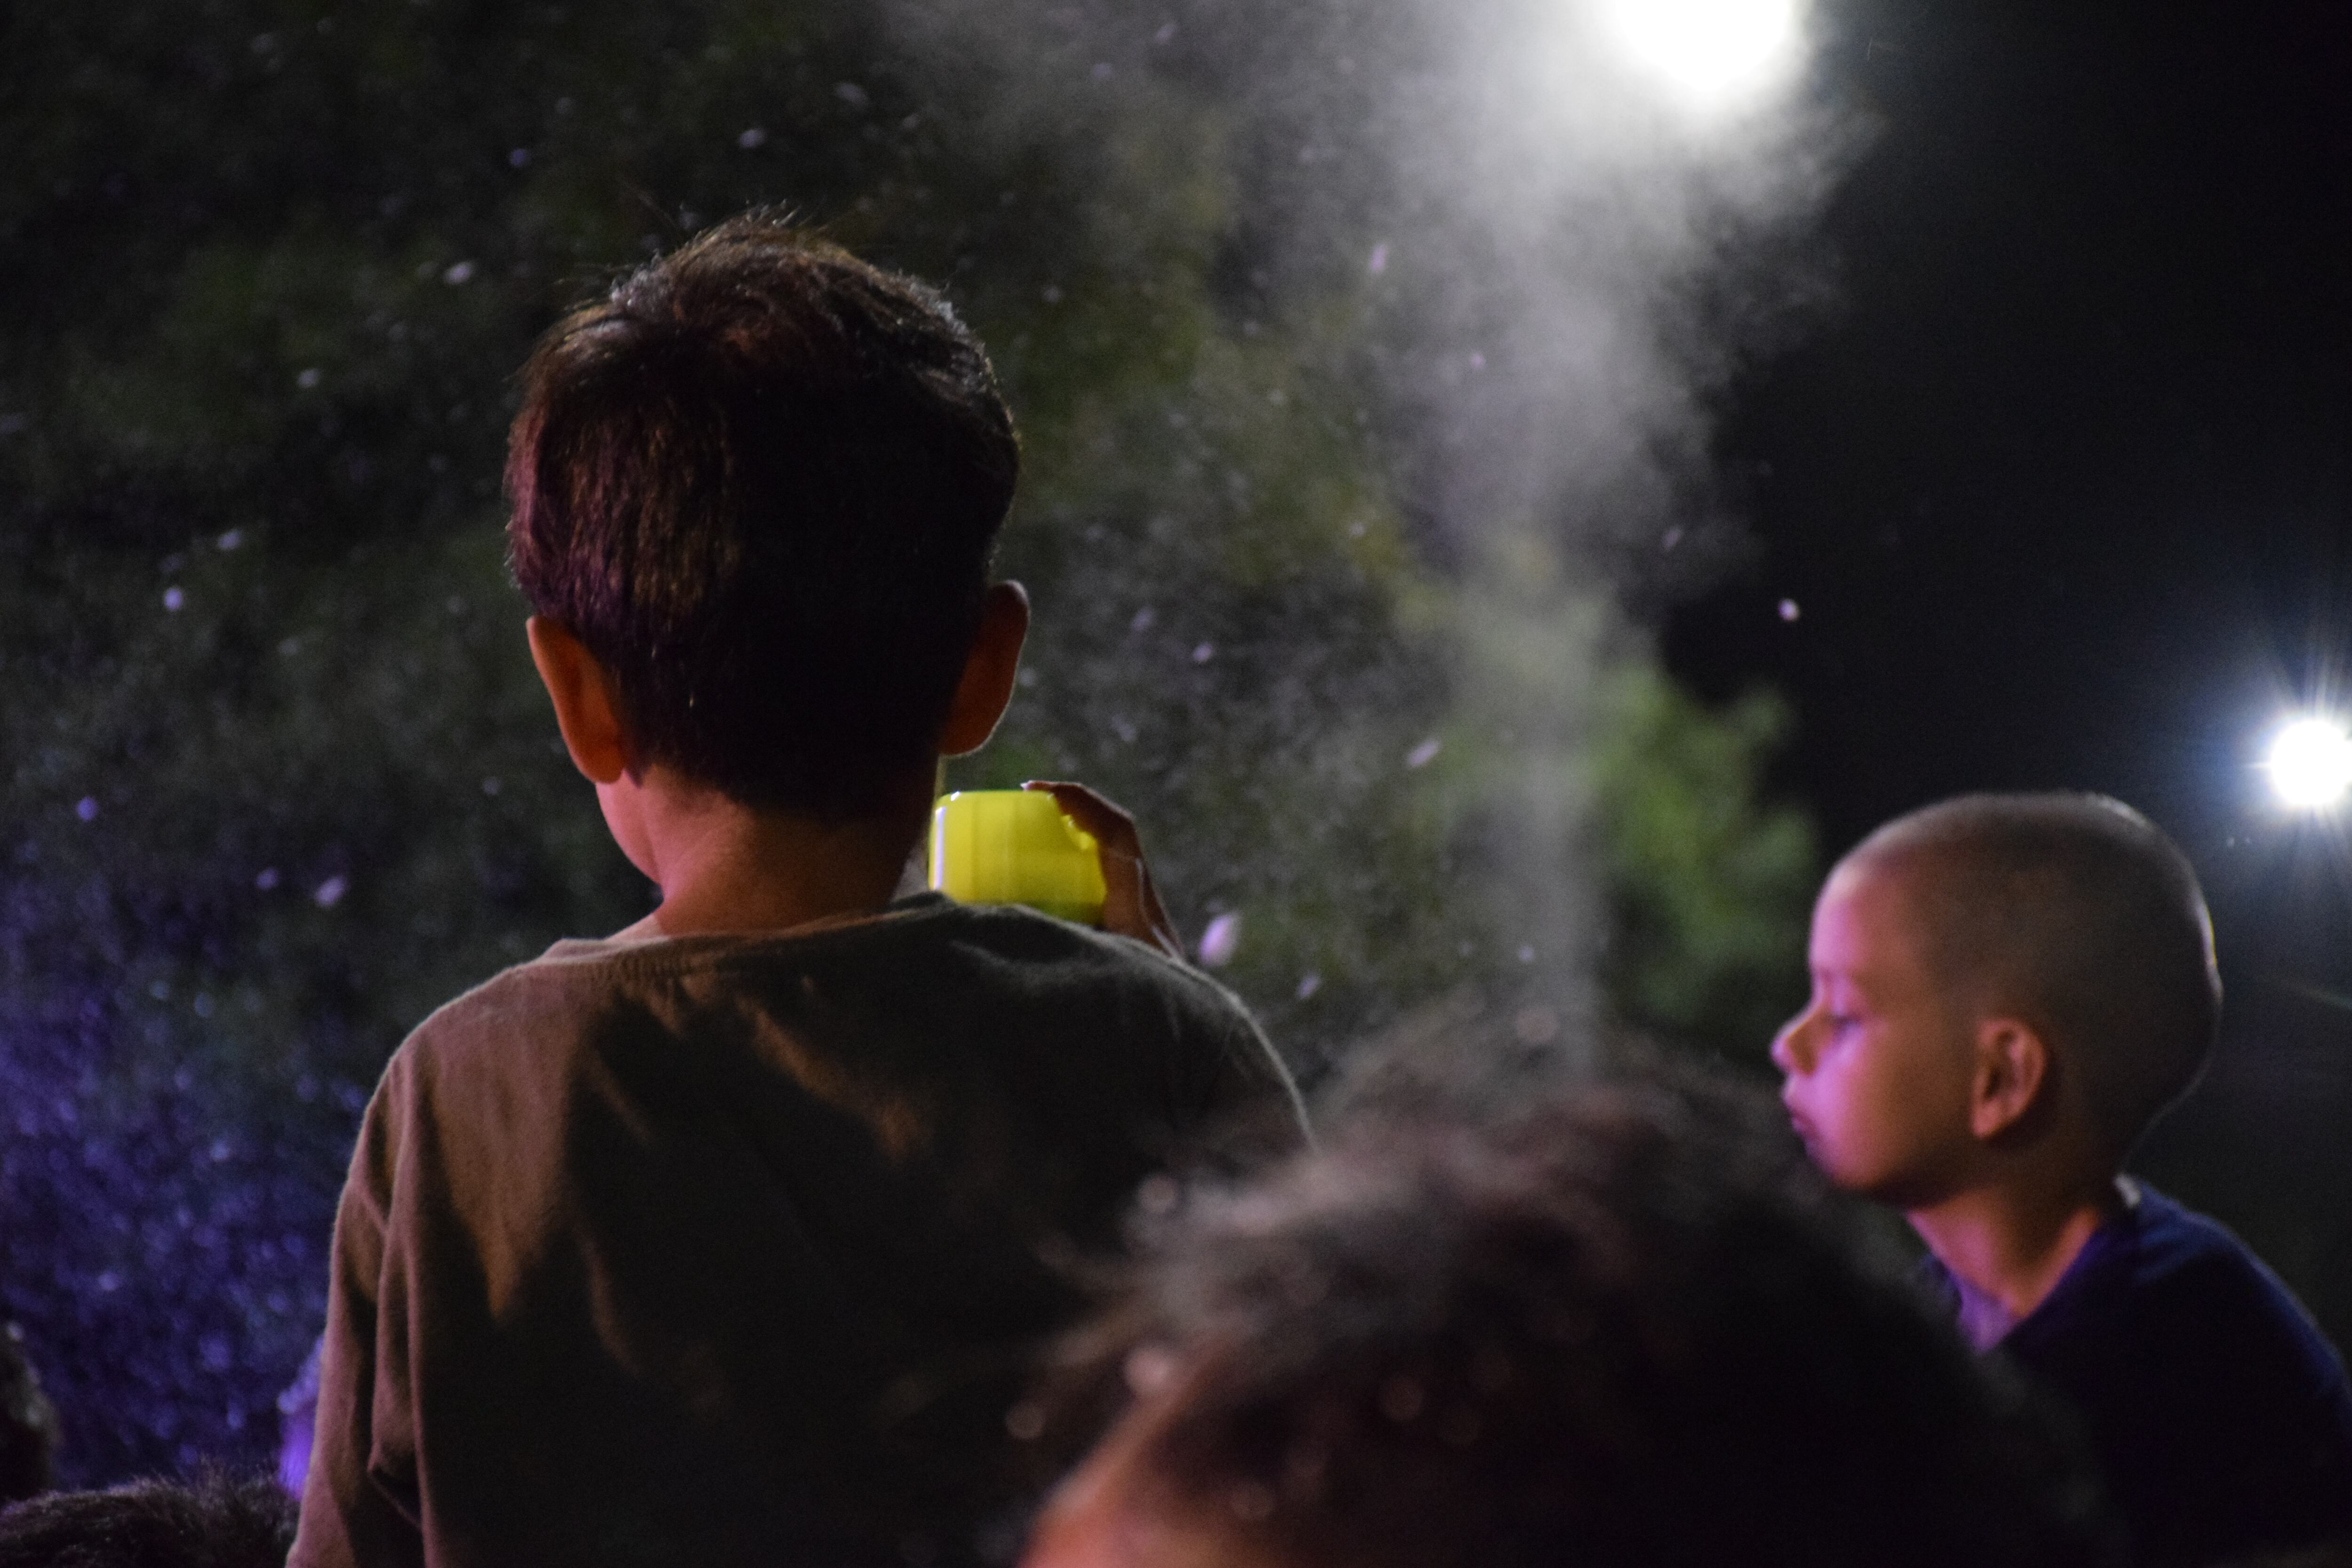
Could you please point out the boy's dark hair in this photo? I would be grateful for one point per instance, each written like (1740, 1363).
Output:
(2078, 913)
(761, 481)
(28, 1423)
(1619, 1330)
(214, 1521)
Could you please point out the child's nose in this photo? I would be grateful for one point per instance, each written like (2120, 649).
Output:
(1791, 1052)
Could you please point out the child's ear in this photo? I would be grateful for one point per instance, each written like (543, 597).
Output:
(2013, 1070)
(986, 689)
(586, 708)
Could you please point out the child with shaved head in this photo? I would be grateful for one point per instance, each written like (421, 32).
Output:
(2007, 991)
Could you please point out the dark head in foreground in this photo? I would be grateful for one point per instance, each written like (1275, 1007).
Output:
(1619, 1330)
(213, 1522)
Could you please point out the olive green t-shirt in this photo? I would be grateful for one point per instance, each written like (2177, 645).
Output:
(734, 1248)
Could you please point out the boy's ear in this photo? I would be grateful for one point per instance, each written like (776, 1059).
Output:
(2012, 1072)
(986, 689)
(586, 708)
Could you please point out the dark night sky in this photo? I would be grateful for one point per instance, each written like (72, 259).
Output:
(2062, 485)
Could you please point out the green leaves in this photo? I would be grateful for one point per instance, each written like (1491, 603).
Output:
(1708, 885)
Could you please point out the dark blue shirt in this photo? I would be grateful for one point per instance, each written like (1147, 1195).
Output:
(2221, 1417)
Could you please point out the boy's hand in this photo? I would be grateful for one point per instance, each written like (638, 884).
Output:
(1131, 905)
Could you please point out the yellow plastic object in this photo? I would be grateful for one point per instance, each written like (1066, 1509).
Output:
(1014, 847)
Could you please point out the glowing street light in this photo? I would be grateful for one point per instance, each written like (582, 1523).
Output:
(1712, 53)
(2310, 764)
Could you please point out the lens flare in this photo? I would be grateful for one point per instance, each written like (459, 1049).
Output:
(1711, 54)
(2310, 764)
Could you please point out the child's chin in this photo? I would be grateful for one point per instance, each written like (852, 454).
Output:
(1839, 1174)
(1809, 1138)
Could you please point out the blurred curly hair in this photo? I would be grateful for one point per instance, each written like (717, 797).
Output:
(216, 1520)
(1623, 1328)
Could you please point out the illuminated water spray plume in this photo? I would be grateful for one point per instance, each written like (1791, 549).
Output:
(2310, 764)
(1615, 156)
(1712, 54)
(1495, 227)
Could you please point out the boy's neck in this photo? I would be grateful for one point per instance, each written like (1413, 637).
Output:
(726, 867)
(2011, 1242)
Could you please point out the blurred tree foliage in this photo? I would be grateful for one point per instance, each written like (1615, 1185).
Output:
(278, 778)
(1708, 889)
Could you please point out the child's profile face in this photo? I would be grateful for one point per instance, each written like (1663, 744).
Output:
(1876, 1069)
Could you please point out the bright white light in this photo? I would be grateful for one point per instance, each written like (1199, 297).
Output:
(1713, 53)
(2310, 764)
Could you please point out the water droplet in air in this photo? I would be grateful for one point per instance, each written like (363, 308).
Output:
(1379, 261)
(87, 808)
(1421, 756)
(1224, 937)
(1251, 1502)
(458, 272)
(1789, 610)
(757, 136)
(1158, 1194)
(331, 892)
(1148, 1370)
(173, 598)
(1402, 1399)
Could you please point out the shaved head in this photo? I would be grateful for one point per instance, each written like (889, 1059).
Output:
(2076, 915)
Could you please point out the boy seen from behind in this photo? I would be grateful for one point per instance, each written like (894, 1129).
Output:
(725, 1239)
(2007, 991)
